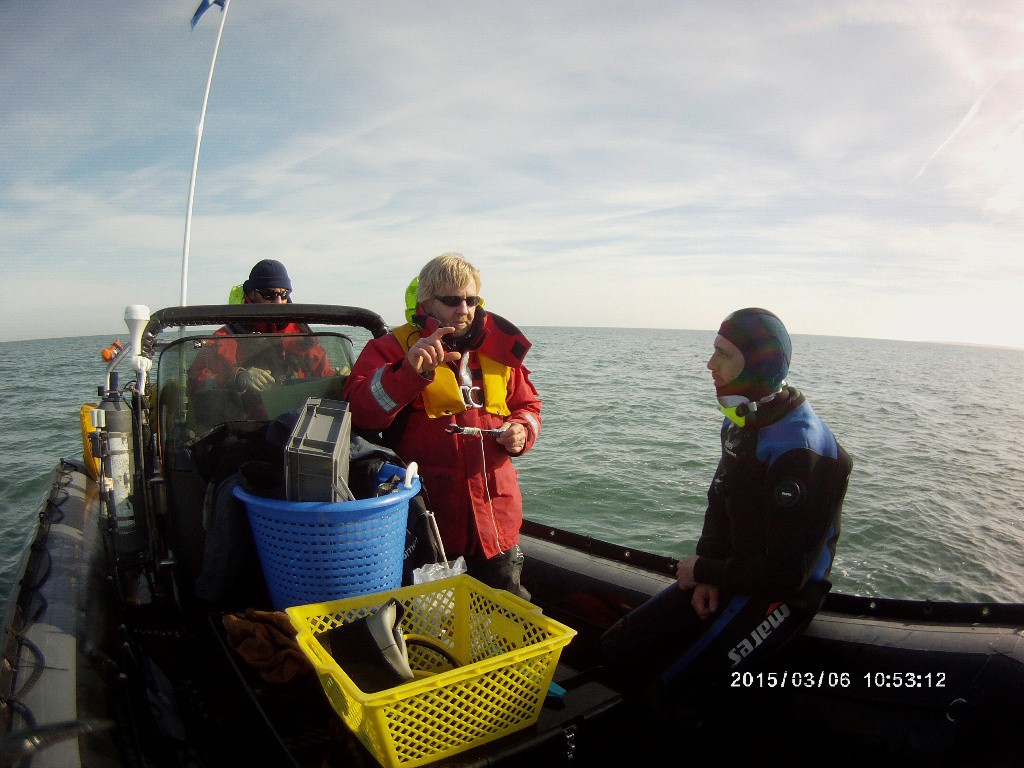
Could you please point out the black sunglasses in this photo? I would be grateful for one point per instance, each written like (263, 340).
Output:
(454, 301)
(274, 293)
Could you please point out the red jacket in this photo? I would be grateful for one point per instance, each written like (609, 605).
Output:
(477, 511)
(293, 357)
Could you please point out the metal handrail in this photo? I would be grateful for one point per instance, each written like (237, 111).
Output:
(222, 314)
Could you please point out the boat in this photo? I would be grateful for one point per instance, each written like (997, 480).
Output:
(111, 658)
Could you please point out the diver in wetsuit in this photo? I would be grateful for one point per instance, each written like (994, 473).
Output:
(761, 567)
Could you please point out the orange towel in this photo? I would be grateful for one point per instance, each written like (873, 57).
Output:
(266, 640)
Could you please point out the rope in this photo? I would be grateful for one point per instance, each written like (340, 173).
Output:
(37, 670)
(42, 568)
(490, 503)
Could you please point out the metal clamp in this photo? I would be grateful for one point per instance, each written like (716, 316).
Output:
(570, 743)
(457, 429)
(468, 396)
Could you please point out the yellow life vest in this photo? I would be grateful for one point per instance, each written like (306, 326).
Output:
(443, 397)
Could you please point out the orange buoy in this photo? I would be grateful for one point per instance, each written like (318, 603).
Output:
(110, 352)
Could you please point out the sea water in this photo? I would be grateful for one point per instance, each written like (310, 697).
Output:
(935, 508)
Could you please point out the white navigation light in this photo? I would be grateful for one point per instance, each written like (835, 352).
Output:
(136, 317)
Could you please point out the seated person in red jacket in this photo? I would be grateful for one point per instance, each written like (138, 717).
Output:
(455, 366)
(252, 364)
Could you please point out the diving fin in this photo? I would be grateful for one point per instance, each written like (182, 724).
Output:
(372, 649)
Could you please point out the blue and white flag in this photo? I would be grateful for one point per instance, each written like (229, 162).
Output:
(203, 7)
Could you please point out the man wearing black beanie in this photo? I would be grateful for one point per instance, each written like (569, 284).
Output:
(761, 567)
(269, 281)
(251, 368)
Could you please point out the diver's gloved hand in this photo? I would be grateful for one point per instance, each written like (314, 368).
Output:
(253, 379)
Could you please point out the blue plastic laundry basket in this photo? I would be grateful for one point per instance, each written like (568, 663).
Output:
(317, 551)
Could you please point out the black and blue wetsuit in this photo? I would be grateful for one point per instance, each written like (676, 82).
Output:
(768, 542)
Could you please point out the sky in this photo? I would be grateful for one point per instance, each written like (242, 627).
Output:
(856, 167)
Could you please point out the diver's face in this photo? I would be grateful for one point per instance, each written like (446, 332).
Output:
(726, 362)
(460, 316)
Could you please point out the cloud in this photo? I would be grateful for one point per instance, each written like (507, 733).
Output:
(699, 155)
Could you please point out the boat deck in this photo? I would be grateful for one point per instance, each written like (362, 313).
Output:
(293, 723)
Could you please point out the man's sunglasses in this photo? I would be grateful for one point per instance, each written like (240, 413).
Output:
(274, 293)
(455, 301)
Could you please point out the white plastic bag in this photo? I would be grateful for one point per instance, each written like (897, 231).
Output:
(438, 571)
(444, 569)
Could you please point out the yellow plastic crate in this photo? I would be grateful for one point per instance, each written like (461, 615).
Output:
(507, 652)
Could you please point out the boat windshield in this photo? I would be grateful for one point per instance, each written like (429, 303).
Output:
(206, 380)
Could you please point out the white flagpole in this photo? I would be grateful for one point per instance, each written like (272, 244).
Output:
(195, 160)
